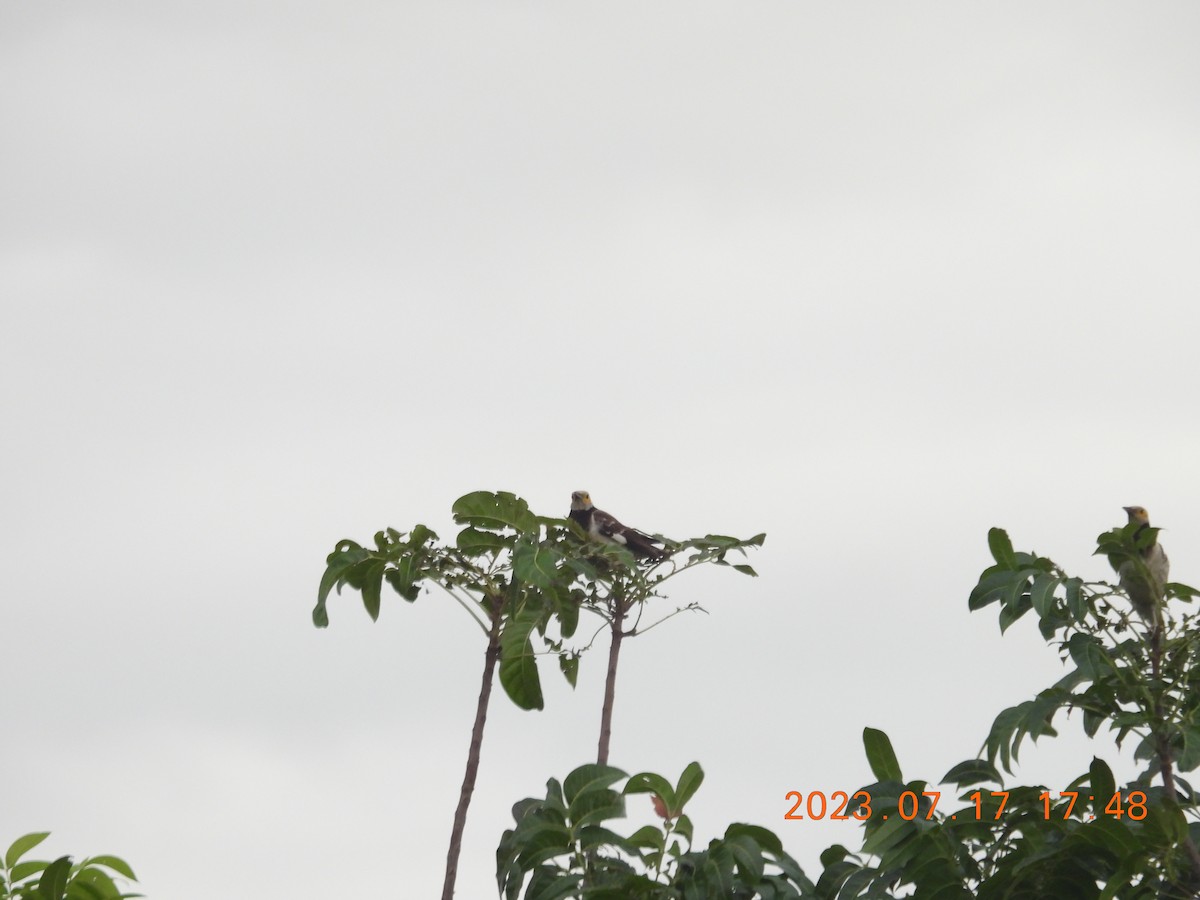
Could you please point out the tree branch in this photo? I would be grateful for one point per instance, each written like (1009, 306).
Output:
(618, 609)
(468, 786)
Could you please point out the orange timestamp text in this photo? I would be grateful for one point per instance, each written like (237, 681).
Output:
(911, 805)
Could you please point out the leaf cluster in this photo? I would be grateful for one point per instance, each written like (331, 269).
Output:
(562, 846)
(1139, 679)
(517, 574)
(89, 879)
(998, 842)
(507, 569)
(1110, 677)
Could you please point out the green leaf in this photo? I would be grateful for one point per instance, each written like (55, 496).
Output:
(1041, 595)
(1018, 588)
(972, 771)
(493, 512)
(539, 840)
(887, 835)
(566, 607)
(999, 738)
(1050, 624)
(1121, 878)
(993, 584)
(518, 666)
(828, 885)
(1181, 591)
(1110, 543)
(858, 882)
(592, 837)
(1087, 654)
(595, 805)
(647, 838)
(403, 578)
(683, 827)
(1108, 833)
(569, 665)
(474, 542)
(589, 777)
(53, 883)
(371, 586)
(23, 870)
(1165, 823)
(1001, 547)
(1145, 749)
(748, 856)
(92, 882)
(536, 564)
(552, 884)
(1039, 714)
(763, 837)
(880, 755)
(23, 845)
(746, 570)
(345, 555)
(1032, 718)
(419, 537)
(584, 568)
(410, 570)
(1010, 614)
(115, 863)
(1076, 601)
(722, 541)
(651, 783)
(1188, 758)
(832, 855)
(554, 796)
(1103, 784)
(689, 783)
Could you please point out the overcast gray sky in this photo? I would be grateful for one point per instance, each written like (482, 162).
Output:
(869, 277)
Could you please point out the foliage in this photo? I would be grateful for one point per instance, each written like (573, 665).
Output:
(1089, 839)
(91, 879)
(564, 847)
(516, 574)
(506, 561)
(610, 571)
(505, 564)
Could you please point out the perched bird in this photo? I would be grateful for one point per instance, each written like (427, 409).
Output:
(1145, 595)
(600, 526)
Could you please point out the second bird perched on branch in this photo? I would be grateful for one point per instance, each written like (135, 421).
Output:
(1144, 583)
(603, 527)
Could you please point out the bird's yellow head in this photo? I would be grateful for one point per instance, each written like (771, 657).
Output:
(581, 500)
(1137, 515)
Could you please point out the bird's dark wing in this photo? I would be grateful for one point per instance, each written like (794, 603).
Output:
(640, 544)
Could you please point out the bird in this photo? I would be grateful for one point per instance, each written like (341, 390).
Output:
(605, 528)
(1144, 593)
